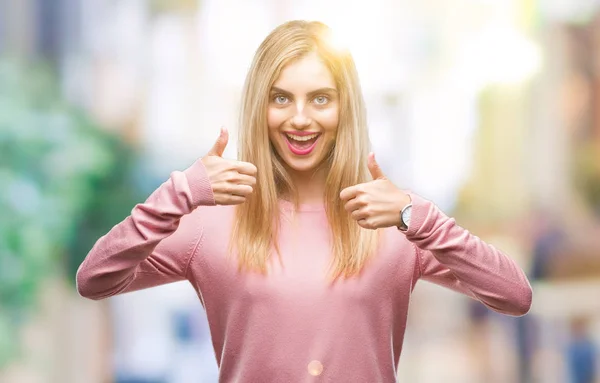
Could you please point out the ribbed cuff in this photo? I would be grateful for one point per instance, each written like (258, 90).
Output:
(420, 212)
(199, 183)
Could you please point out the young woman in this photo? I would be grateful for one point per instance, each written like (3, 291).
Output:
(303, 254)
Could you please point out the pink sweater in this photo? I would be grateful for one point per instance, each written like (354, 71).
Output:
(292, 326)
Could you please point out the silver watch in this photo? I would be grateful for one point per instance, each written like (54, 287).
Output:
(405, 217)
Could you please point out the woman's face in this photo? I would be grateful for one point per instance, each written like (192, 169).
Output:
(303, 113)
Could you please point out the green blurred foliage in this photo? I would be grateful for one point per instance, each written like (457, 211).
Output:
(63, 183)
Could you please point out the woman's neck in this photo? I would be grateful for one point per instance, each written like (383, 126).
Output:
(310, 186)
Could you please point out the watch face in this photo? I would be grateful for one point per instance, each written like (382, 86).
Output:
(406, 215)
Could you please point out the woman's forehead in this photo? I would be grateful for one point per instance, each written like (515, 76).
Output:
(305, 75)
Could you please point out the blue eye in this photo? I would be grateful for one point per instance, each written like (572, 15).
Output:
(280, 99)
(321, 100)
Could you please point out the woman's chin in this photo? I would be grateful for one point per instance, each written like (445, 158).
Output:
(304, 165)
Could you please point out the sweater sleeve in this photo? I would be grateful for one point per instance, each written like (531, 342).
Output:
(153, 245)
(451, 256)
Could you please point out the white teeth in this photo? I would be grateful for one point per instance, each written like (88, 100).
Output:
(301, 138)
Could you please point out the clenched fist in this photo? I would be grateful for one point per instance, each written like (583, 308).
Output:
(231, 181)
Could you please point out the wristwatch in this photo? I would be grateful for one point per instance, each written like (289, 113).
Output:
(405, 217)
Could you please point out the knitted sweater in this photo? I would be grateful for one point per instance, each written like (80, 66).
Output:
(293, 325)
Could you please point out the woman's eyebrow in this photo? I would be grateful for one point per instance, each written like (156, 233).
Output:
(324, 90)
(279, 90)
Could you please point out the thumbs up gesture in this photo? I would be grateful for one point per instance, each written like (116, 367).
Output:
(375, 204)
(231, 181)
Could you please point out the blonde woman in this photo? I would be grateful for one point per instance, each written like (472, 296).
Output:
(303, 254)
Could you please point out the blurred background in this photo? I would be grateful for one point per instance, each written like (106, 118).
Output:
(489, 108)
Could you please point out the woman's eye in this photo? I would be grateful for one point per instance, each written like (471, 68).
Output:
(280, 99)
(321, 100)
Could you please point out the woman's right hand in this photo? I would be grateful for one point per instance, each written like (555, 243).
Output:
(231, 181)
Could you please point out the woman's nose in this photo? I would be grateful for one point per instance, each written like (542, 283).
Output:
(300, 119)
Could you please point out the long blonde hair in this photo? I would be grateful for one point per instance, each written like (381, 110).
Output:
(256, 225)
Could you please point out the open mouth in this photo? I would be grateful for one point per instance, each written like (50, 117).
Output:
(302, 145)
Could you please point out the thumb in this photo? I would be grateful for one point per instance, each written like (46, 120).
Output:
(374, 168)
(219, 146)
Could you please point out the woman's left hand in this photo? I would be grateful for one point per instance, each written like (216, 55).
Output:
(375, 204)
